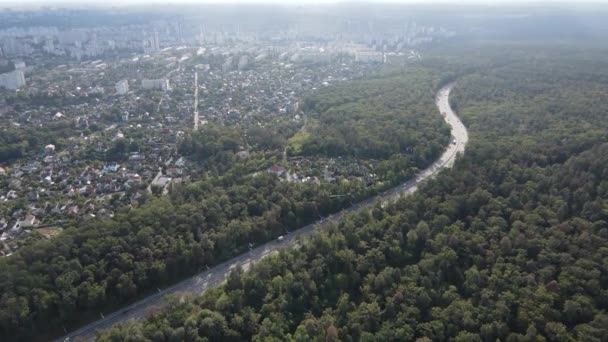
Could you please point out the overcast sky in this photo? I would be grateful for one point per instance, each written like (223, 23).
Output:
(37, 3)
(293, 2)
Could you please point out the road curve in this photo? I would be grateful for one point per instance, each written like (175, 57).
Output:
(195, 112)
(201, 282)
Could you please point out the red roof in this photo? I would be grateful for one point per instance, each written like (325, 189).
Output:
(276, 169)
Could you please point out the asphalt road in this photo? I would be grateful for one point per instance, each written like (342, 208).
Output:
(213, 277)
(195, 101)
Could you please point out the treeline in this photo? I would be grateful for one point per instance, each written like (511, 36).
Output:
(98, 265)
(510, 245)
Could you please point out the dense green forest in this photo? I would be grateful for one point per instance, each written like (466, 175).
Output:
(98, 265)
(352, 118)
(510, 245)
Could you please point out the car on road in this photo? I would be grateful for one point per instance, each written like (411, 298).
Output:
(280, 238)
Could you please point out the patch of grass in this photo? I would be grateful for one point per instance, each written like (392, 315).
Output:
(49, 232)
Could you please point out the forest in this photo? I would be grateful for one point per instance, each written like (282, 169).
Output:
(353, 117)
(99, 265)
(510, 245)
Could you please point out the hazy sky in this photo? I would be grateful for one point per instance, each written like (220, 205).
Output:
(293, 2)
(35, 4)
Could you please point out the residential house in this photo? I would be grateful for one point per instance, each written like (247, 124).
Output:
(29, 221)
(110, 168)
(50, 148)
(277, 170)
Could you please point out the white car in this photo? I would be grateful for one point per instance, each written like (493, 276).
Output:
(280, 238)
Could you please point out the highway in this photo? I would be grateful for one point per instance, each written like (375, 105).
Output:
(196, 101)
(216, 275)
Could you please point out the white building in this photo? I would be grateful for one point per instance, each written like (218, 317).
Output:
(203, 67)
(227, 66)
(19, 65)
(12, 80)
(396, 58)
(122, 87)
(369, 57)
(49, 45)
(261, 57)
(50, 148)
(312, 57)
(160, 84)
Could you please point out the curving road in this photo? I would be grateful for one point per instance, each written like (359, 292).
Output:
(196, 101)
(199, 283)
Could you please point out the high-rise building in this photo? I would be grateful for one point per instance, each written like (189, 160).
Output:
(122, 87)
(201, 36)
(180, 32)
(12, 80)
(243, 62)
(152, 44)
(156, 41)
(228, 64)
(9, 46)
(49, 45)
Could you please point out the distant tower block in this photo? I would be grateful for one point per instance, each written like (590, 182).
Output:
(122, 87)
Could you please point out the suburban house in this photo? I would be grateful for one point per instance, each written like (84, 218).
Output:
(277, 170)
